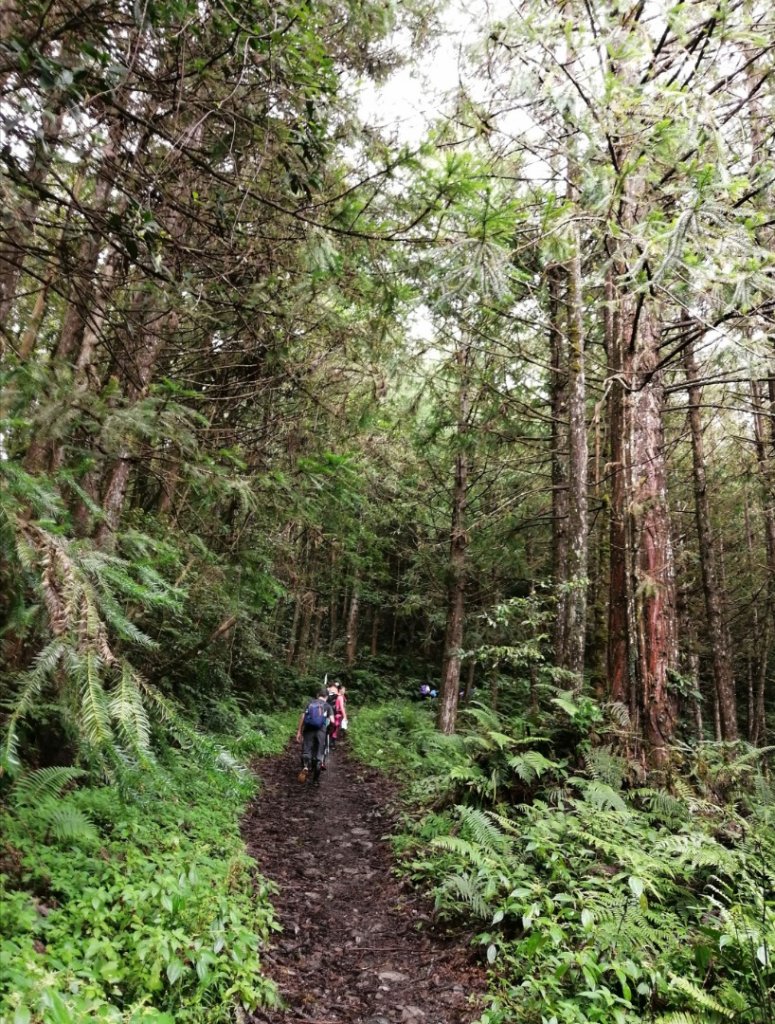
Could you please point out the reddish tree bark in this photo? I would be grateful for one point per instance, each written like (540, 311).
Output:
(654, 596)
(619, 666)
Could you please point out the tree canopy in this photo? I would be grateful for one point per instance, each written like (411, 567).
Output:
(280, 394)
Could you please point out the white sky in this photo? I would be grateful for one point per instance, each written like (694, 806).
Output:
(414, 96)
(418, 94)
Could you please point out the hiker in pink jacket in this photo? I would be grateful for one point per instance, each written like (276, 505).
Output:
(340, 714)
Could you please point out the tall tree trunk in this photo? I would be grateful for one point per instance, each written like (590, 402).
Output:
(30, 335)
(375, 623)
(470, 677)
(578, 458)
(135, 370)
(599, 540)
(307, 614)
(648, 587)
(716, 718)
(458, 556)
(759, 122)
(559, 405)
(333, 605)
(655, 603)
(689, 657)
(619, 604)
(643, 648)
(290, 655)
(764, 437)
(723, 675)
(352, 626)
(90, 287)
(319, 614)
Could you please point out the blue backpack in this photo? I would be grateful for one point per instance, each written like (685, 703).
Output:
(315, 716)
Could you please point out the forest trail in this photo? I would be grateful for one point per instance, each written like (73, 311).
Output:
(357, 947)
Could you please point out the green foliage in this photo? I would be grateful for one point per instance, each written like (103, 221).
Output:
(595, 903)
(146, 910)
(85, 593)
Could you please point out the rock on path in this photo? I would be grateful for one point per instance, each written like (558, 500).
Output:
(356, 946)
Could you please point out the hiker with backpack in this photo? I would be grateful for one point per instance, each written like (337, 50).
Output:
(341, 713)
(332, 694)
(336, 699)
(311, 733)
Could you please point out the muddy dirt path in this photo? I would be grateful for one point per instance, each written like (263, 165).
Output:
(357, 946)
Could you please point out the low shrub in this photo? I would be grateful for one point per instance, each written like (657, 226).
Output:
(142, 909)
(597, 900)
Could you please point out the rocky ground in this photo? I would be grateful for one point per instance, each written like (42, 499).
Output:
(358, 946)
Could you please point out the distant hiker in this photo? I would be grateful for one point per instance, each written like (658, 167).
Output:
(336, 700)
(331, 697)
(332, 692)
(311, 733)
(425, 691)
(342, 726)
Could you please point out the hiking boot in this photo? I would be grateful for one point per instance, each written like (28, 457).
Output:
(302, 776)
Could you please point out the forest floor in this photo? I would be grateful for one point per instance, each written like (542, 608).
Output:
(358, 946)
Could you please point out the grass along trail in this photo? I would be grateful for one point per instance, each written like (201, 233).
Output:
(357, 947)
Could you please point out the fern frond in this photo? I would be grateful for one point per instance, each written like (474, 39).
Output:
(484, 829)
(115, 617)
(33, 788)
(127, 709)
(464, 887)
(32, 683)
(486, 718)
(531, 765)
(187, 736)
(606, 766)
(95, 720)
(467, 773)
(463, 848)
(31, 490)
(696, 850)
(664, 805)
(618, 713)
(683, 790)
(69, 824)
(600, 795)
(700, 996)
(681, 1017)
(71, 481)
(488, 740)
(82, 591)
(753, 755)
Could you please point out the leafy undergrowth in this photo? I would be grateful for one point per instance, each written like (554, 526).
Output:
(135, 901)
(599, 897)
